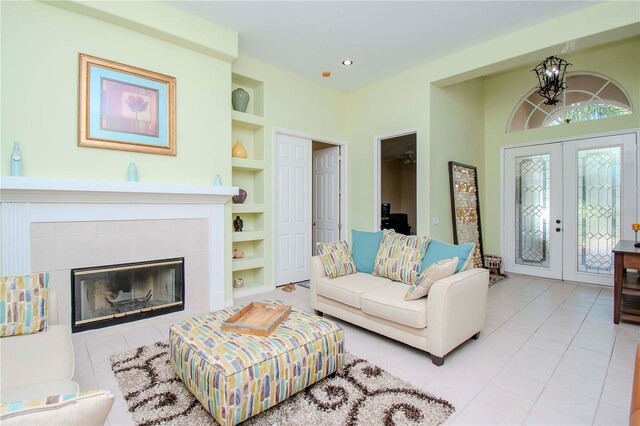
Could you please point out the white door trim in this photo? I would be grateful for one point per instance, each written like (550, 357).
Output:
(377, 166)
(503, 231)
(344, 181)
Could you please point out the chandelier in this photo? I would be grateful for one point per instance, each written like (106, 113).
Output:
(551, 82)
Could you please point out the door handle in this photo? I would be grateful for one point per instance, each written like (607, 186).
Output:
(313, 223)
(558, 221)
(558, 229)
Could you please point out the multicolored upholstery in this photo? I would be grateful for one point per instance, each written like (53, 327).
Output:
(437, 271)
(336, 259)
(399, 256)
(236, 376)
(84, 408)
(23, 304)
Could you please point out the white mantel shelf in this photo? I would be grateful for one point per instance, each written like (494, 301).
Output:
(28, 200)
(32, 189)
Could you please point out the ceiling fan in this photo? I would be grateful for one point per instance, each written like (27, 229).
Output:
(409, 157)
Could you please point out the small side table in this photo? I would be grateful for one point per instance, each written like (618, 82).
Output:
(626, 287)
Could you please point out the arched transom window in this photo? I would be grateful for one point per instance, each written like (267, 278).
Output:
(588, 97)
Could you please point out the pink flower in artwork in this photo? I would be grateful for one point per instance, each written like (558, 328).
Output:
(136, 103)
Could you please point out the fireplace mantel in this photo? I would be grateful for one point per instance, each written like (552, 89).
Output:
(45, 190)
(27, 200)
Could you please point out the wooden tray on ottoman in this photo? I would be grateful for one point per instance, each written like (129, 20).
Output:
(257, 318)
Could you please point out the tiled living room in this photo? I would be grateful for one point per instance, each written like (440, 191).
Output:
(319, 212)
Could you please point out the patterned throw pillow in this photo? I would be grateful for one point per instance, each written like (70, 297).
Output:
(437, 271)
(399, 256)
(23, 304)
(336, 259)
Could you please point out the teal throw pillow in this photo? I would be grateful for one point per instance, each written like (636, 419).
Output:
(364, 248)
(437, 250)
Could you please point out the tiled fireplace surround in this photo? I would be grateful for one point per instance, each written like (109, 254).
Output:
(55, 225)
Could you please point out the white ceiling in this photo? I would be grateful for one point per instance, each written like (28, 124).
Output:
(382, 37)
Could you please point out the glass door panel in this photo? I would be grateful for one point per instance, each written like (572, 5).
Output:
(532, 197)
(598, 208)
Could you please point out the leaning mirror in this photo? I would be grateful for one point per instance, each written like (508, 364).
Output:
(465, 208)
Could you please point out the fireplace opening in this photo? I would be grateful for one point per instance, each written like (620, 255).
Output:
(108, 295)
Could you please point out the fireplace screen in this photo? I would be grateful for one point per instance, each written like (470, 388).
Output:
(115, 294)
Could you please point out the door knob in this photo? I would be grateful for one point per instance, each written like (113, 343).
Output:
(558, 221)
(558, 229)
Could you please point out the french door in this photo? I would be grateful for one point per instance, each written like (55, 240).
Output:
(566, 206)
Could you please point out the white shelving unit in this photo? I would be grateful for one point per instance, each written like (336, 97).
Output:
(249, 174)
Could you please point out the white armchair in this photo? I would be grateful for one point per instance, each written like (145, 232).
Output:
(40, 364)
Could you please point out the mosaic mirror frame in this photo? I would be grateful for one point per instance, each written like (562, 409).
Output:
(465, 208)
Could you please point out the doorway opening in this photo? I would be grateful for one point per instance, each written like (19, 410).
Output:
(309, 200)
(396, 187)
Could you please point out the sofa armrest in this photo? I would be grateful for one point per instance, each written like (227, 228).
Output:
(316, 271)
(456, 308)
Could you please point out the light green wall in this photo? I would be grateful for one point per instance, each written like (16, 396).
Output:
(457, 123)
(40, 46)
(619, 61)
(391, 105)
(412, 99)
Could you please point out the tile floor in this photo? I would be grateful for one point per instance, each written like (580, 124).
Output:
(549, 354)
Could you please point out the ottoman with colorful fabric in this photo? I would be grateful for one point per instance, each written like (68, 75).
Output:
(236, 376)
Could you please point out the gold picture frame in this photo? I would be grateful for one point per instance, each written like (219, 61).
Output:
(125, 108)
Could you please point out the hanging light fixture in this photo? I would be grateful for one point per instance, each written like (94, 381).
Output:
(551, 81)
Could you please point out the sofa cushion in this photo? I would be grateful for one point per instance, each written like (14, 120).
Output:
(437, 250)
(336, 259)
(399, 256)
(388, 302)
(364, 248)
(347, 289)
(22, 363)
(441, 269)
(23, 304)
(85, 408)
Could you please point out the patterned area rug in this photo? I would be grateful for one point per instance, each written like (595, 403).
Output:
(360, 394)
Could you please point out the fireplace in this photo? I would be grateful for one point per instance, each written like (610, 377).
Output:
(102, 296)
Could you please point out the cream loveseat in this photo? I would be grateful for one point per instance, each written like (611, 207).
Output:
(453, 312)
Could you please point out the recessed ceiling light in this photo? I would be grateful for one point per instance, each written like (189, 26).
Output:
(326, 74)
(347, 62)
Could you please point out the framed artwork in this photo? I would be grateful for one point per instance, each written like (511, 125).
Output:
(125, 108)
(465, 208)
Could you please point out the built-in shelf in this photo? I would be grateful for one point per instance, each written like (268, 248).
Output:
(249, 174)
(247, 164)
(251, 288)
(248, 236)
(247, 263)
(247, 121)
(248, 208)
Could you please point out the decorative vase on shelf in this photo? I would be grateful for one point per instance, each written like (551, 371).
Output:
(238, 253)
(238, 224)
(16, 160)
(240, 198)
(217, 181)
(238, 283)
(238, 150)
(240, 100)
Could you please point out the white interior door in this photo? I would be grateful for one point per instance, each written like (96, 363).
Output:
(567, 204)
(293, 209)
(326, 196)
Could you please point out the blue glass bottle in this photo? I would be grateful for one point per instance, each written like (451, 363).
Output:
(16, 160)
(132, 172)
